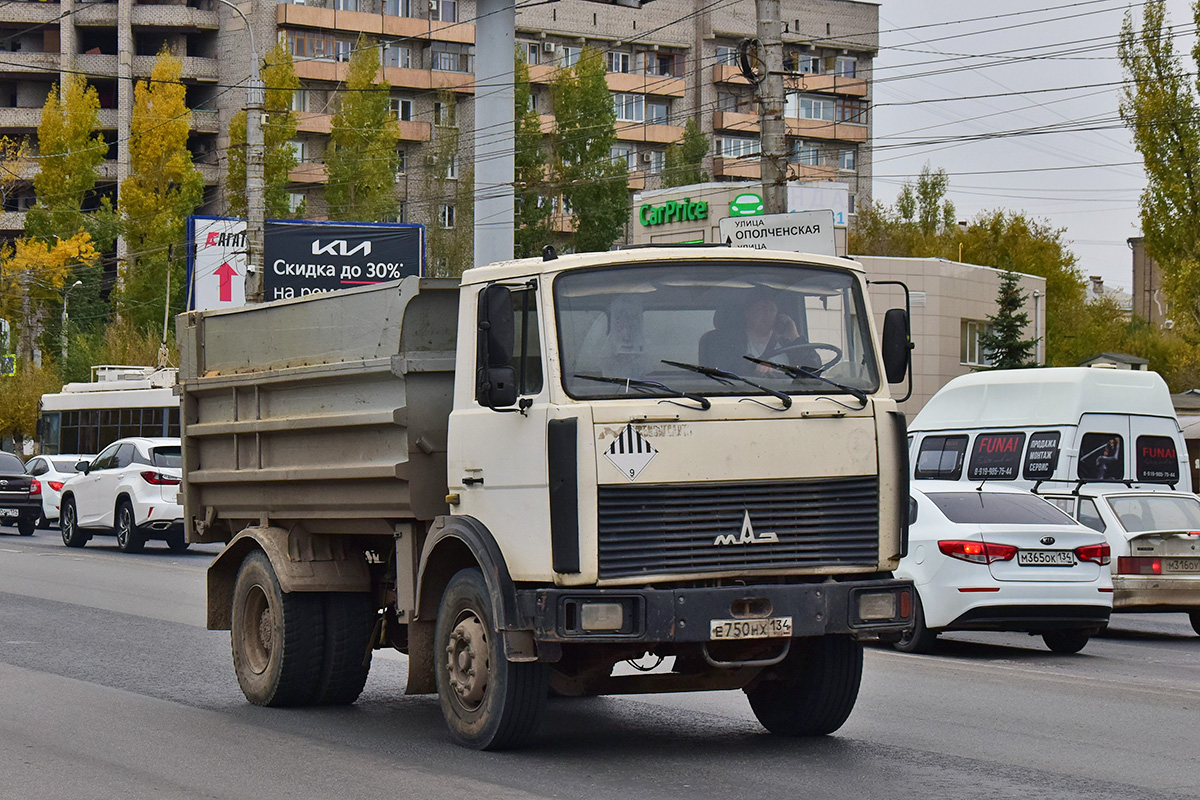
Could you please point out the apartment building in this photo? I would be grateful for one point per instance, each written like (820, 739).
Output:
(112, 43)
(669, 61)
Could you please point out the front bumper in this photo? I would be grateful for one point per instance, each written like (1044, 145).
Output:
(1155, 593)
(685, 614)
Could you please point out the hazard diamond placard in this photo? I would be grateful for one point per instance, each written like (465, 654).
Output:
(630, 453)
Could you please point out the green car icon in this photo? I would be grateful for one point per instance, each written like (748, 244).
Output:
(746, 205)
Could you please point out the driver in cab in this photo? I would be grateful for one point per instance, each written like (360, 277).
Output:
(763, 333)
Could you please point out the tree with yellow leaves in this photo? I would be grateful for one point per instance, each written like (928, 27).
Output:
(33, 274)
(162, 190)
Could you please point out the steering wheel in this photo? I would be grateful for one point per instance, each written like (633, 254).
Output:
(811, 347)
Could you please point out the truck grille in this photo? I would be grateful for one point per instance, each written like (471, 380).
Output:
(684, 528)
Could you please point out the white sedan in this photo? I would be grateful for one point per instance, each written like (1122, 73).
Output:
(130, 490)
(994, 558)
(52, 472)
(1155, 539)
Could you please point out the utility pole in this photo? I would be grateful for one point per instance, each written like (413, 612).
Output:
(62, 336)
(770, 109)
(495, 128)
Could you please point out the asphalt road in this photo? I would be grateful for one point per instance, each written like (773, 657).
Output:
(110, 687)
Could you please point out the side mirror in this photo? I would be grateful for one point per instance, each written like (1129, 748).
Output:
(896, 344)
(495, 377)
(82, 466)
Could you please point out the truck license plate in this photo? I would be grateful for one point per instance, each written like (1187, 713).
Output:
(1182, 564)
(768, 628)
(1045, 558)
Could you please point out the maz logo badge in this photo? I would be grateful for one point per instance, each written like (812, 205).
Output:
(748, 536)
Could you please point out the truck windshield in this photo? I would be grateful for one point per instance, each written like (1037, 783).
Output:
(625, 322)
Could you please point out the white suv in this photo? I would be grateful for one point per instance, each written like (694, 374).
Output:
(131, 490)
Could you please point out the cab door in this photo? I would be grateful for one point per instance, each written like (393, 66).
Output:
(497, 456)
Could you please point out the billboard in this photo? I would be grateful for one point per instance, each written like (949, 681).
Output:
(304, 257)
(300, 257)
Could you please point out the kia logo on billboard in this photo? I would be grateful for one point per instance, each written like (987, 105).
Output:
(340, 247)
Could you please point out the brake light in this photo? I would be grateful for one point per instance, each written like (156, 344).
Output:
(159, 479)
(55, 485)
(1097, 553)
(35, 486)
(1139, 565)
(978, 552)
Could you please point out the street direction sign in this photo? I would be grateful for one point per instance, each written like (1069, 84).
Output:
(799, 232)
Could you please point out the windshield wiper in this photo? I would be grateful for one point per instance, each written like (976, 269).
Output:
(642, 385)
(727, 378)
(800, 372)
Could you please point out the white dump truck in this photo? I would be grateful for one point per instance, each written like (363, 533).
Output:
(555, 466)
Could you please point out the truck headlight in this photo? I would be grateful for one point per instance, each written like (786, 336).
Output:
(877, 606)
(601, 616)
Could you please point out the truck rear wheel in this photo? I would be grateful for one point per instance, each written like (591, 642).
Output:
(346, 661)
(277, 637)
(812, 691)
(489, 702)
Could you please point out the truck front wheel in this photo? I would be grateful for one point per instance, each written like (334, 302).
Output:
(812, 691)
(489, 702)
(277, 637)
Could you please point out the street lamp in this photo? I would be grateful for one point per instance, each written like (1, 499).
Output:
(62, 333)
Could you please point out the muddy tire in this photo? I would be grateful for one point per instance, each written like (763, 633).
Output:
(68, 524)
(1069, 641)
(129, 538)
(812, 691)
(489, 702)
(918, 638)
(346, 657)
(277, 637)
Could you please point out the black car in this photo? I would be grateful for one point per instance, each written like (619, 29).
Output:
(20, 495)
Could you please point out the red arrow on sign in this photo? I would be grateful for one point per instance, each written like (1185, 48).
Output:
(226, 273)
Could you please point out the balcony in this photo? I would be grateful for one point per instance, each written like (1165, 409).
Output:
(314, 122)
(826, 83)
(726, 73)
(31, 118)
(374, 24)
(35, 13)
(656, 134)
(735, 121)
(309, 172)
(398, 77)
(750, 168)
(177, 18)
(25, 61)
(660, 85)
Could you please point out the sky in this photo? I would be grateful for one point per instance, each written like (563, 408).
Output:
(1048, 141)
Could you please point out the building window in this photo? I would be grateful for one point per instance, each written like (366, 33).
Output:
(851, 110)
(399, 8)
(452, 168)
(657, 113)
(402, 108)
(446, 215)
(727, 56)
(664, 65)
(972, 352)
(808, 106)
(617, 62)
(295, 201)
(727, 101)
(802, 63)
(299, 150)
(446, 57)
(300, 100)
(570, 56)
(443, 10)
(625, 153)
(530, 51)
(401, 162)
(845, 66)
(443, 114)
(397, 56)
(807, 153)
(846, 160)
(345, 5)
(629, 107)
(312, 46)
(737, 147)
(343, 49)
(658, 160)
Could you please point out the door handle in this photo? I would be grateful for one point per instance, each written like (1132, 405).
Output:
(472, 481)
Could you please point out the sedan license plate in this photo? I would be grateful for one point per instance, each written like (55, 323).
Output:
(10, 512)
(1045, 558)
(768, 628)
(1181, 564)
